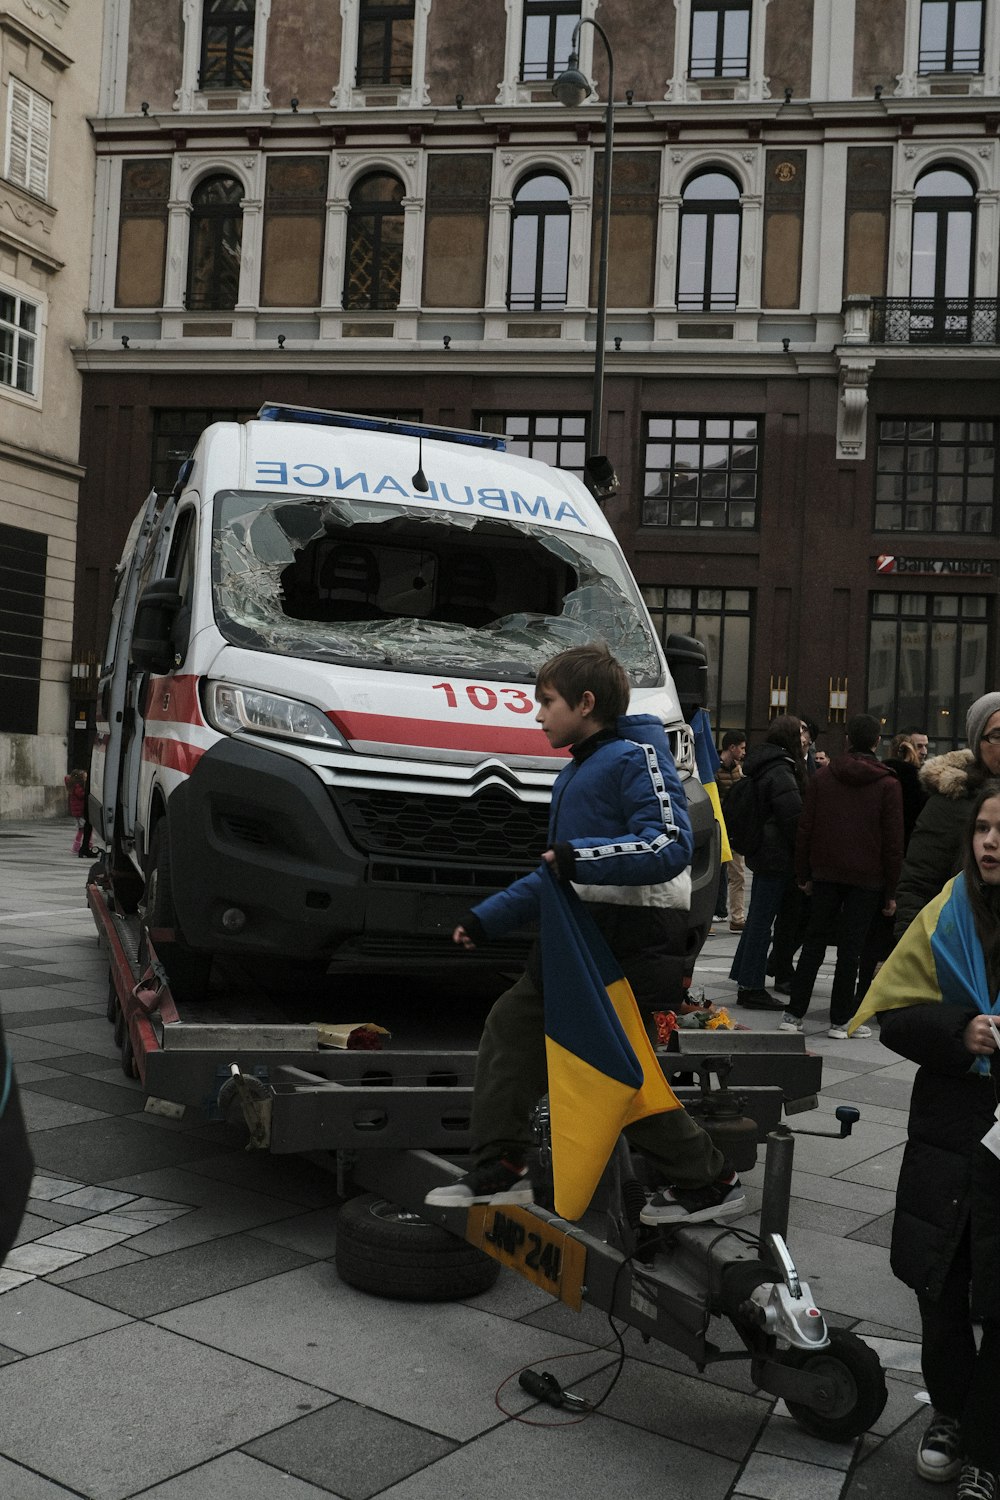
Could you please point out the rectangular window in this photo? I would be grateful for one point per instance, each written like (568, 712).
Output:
(548, 37)
(142, 233)
(701, 471)
(550, 437)
(720, 39)
(934, 474)
(927, 656)
(19, 329)
(29, 132)
(722, 619)
(951, 36)
(23, 558)
(385, 42)
(456, 228)
(227, 44)
(294, 225)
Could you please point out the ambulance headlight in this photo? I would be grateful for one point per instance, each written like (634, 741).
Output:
(243, 710)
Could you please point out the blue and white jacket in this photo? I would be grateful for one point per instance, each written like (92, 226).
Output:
(619, 826)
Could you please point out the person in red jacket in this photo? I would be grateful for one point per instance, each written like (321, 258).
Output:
(848, 855)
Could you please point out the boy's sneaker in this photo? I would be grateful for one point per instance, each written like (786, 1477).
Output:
(789, 1022)
(498, 1181)
(939, 1456)
(839, 1033)
(861, 1031)
(977, 1484)
(722, 1199)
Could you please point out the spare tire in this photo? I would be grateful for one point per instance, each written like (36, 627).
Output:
(383, 1249)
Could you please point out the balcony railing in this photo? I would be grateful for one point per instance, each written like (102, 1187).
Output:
(933, 320)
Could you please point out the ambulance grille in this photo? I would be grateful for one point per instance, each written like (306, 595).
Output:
(492, 828)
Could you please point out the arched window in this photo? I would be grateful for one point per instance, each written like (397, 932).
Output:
(709, 261)
(374, 243)
(944, 232)
(539, 244)
(216, 239)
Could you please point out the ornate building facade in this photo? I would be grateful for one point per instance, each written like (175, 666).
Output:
(379, 205)
(50, 57)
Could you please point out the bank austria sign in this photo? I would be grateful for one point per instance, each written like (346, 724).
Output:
(937, 567)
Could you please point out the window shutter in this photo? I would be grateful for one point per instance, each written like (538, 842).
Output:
(29, 130)
(38, 150)
(18, 127)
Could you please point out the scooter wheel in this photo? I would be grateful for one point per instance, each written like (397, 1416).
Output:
(854, 1387)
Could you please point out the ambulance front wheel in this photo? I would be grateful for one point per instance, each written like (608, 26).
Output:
(188, 969)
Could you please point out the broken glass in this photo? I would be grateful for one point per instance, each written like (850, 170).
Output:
(365, 583)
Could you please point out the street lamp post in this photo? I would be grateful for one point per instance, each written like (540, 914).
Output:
(572, 88)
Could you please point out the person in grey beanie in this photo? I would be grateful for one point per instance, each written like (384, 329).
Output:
(952, 780)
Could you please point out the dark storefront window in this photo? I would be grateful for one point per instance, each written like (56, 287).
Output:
(927, 662)
(722, 620)
(935, 475)
(374, 243)
(216, 244)
(227, 44)
(720, 38)
(951, 36)
(385, 42)
(175, 432)
(548, 36)
(701, 471)
(551, 438)
(23, 556)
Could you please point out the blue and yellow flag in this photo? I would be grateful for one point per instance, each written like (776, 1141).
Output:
(939, 957)
(603, 1072)
(707, 760)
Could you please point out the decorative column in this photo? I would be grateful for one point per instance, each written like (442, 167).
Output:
(175, 279)
(409, 285)
(748, 293)
(332, 291)
(251, 247)
(668, 242)
(902, 239)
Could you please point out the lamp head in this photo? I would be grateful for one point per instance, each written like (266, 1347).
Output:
(571, 88)
(600, 478)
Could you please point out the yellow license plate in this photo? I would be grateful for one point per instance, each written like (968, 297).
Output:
(542, 1254)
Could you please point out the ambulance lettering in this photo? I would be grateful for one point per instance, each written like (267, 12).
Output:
(313, 476)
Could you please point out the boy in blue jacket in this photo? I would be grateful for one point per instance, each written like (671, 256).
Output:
(619, 832)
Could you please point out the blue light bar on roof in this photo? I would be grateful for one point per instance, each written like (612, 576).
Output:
(272, 412)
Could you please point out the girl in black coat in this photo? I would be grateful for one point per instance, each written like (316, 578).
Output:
(935, 997)
(778, 771)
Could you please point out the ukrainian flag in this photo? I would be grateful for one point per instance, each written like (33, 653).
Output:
(603, 1072)
(939, 957)
(707, 760)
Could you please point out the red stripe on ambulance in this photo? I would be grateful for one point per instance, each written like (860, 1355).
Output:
(174, 755)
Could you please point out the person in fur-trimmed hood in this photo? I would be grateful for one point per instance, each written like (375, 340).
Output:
(952, 781)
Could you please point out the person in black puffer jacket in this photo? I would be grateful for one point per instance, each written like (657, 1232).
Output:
(934, 998)
(778, 770)
(933, 854)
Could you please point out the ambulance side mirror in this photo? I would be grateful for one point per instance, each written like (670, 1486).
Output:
(152, 639)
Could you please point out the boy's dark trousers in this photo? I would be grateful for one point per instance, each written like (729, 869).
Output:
(511, 1077)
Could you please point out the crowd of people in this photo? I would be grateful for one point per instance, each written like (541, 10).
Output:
(895, 862)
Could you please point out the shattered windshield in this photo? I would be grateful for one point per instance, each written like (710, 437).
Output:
(363, 583)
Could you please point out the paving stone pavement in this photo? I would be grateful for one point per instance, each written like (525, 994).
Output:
(172, 1326)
